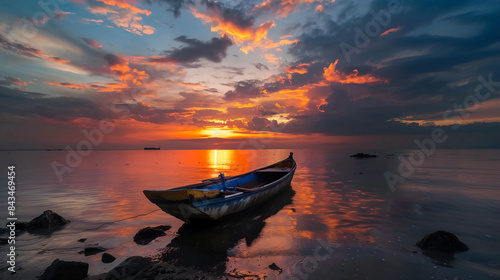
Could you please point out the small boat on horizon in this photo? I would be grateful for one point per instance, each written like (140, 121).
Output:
(151, 148)
(218, 198)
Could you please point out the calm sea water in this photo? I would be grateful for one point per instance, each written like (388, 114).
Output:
(333, 199)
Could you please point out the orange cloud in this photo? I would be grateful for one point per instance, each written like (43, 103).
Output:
(131, 22)
(112, 87)
(333, 75)
(124, 5)
(300, 68)
(273, 45)
(88, 20)
(391, 30)
(57, 60)
(271, 58)
(99, 87)
(92, 43)
(240, 34)
(128, 17)
(192, 85)
(283, 8)
(68, 85)
(101, 11)
(319, 8)
(8, 80)
(127, 74)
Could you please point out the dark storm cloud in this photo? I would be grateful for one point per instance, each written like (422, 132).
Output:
(234, 70)
(143, 113)
(261, 66)
(431, 63)
(198, 100)
(233, 15)
(113, 59)
(8, 80)
(206, 113)
(174, 6)
(261, 124)
(244, 90)
(30, 104)
(196, 50)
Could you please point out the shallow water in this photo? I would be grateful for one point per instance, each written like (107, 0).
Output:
(334, 199)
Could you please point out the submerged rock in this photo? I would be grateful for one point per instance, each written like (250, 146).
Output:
(273, 266)
(129, 267)
(363, 155)
(63, 270)
(107, 258)
(47, 220)
(442, 241)
(93, 249)
(146, 235)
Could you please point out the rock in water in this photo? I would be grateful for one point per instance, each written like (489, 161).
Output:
(93, 249)
(146, 235)
(48, 219)
(107, 258)
(363, 155)
(273, 266)
(21, 226)
(63, 270)
(442, 241)
(128, 267)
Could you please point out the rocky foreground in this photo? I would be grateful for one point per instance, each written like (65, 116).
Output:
(441, 245)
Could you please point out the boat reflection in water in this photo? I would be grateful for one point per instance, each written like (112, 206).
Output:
(206, 248)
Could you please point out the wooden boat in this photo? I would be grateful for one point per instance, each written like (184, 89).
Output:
(218, 198)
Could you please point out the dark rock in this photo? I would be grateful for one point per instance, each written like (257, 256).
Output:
(363, 155)
(93, 249)
(442, 241)
(146, 235)
(4, 231)
(22, 226)
(107, 258)
(4, 241)
(47, 220)
(273, 266)
(164, 227)
(129, 267)
(82, 239)
(63, 270)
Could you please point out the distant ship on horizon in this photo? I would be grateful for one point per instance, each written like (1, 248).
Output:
(151, 148)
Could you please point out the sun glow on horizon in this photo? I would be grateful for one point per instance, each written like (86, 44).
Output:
(217, 132)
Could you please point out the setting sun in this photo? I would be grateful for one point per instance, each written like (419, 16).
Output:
(218, 132)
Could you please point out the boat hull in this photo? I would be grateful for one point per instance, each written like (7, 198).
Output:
(219, 209)
(217, 199)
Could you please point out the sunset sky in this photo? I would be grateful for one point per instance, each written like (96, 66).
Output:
(194, 74)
